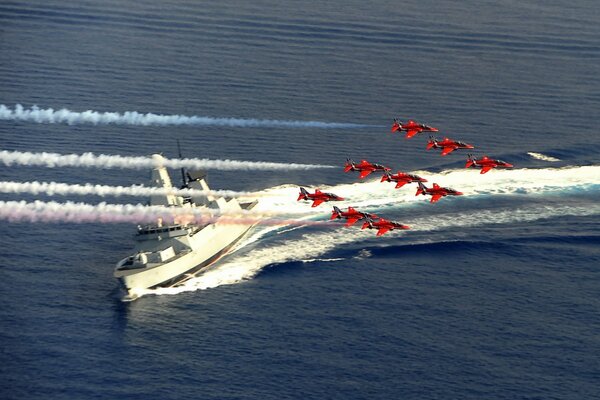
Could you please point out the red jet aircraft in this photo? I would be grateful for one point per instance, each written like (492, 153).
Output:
(383, 225)
(351, 215)
(401, 178)
(364, 167)
(318, 197)
(447, 145)
(411, 127)
(486, 163)
(436, 192)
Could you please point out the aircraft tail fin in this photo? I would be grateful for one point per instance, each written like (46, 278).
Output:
(470, 161)
(422, 188)
(368, 223)
(387, 176)
(432, 142)
(336, 213)
(303, 194)
(349, 165)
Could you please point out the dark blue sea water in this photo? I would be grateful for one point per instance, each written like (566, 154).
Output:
(493, 295)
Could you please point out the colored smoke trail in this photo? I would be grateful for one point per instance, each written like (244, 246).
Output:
(63, 189)
(64, 116)
(91, 160)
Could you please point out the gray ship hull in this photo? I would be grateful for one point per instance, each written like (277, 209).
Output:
(216, 242)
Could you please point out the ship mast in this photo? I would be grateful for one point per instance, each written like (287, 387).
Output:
(183, 177)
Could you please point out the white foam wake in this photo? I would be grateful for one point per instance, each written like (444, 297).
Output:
(65, 116)
(543, 157)
(373, 194)
(91, 160)
(311, 246)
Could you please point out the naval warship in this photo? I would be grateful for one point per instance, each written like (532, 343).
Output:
(168, 254)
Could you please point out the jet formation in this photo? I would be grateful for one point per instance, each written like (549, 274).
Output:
(365, 168)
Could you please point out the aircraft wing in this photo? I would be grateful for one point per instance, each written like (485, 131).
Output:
(435, 197)
(364, 173)
(382, 231)
(351, 221)
(400, 184)
(411, 132)
(317, 202)
(485, 169)
(448, 150)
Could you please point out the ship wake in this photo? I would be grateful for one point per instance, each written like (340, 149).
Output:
(312, 243)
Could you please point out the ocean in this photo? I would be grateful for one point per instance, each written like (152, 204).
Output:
(489, 295)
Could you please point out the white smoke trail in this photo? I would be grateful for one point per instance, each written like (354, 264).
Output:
(39, 211)
(111, 161)
(50, 116)
(63, 189)
(281, 201)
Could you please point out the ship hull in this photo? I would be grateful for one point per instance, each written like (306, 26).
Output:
(211, 247)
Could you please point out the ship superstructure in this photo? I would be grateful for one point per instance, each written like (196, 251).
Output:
(167, 254)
